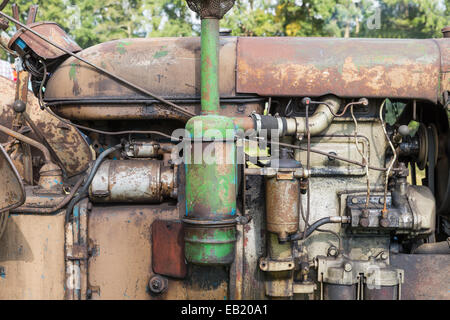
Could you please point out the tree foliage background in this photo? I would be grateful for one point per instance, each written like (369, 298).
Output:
(93, 21)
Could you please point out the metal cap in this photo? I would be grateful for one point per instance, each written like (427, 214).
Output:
(210, 8)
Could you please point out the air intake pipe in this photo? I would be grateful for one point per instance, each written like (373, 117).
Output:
(283, 126)
(211, 175)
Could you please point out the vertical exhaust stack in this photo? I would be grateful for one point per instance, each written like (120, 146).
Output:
(211, 177)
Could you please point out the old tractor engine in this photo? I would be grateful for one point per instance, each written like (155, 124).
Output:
(224, 167)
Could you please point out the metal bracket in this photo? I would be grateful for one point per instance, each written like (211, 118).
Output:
(266, 264)
(308, 287)
(77, 252)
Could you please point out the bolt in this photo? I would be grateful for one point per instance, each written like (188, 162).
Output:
(157, 284)
(364, 222)
(331, 154)
(348, 267)
(354, 200)
(332, 251)
(384, 222)
(384, 256)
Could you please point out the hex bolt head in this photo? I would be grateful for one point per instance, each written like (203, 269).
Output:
(384, 222)
(332, 251)
(364, 222)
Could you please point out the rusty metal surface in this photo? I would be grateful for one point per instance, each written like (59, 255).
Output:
(426, 276)
(139, 181)
(282, 212)
(51, 31)
(343, 67)
(144, 111)
(444, 48)
(168, 248)
(121, 262)
(32, 258)
(13, 195)
(67, 143)
(169, 67)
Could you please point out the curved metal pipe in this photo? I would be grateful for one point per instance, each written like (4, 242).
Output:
(317, 224)
(321, 119)
(83, 191)
(317, 123)
(29, 141)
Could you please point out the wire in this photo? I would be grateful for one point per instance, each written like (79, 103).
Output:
(383, 125)
(308, 167)
(335, 234)
(82, 194)
(365, 158)
(43, 106)
(55, 209)
(337, 115)
(118, 78)
(111, 133)
(326, 154)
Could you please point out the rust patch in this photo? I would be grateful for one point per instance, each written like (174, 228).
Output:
(66, 142)
(168, 248)
(426, 276)
(344, 67)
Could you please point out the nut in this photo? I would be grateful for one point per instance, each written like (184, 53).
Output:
(384, 222)
(332, 251)
(364, 222)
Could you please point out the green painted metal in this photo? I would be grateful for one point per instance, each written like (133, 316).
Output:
(210, 191)
(210, 66)
(210, 246)
(211, 176)
(211, 184)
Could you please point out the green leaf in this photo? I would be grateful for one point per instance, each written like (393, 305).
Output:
(413, 127)
(393, 111)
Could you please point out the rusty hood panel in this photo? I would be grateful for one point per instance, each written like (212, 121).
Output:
(370, 68)
(169, 67)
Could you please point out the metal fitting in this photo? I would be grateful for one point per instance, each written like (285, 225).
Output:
(158, 284)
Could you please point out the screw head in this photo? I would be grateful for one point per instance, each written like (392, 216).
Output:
(157, 284)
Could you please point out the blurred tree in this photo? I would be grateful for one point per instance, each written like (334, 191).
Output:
(90, 22)
(408, 19)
